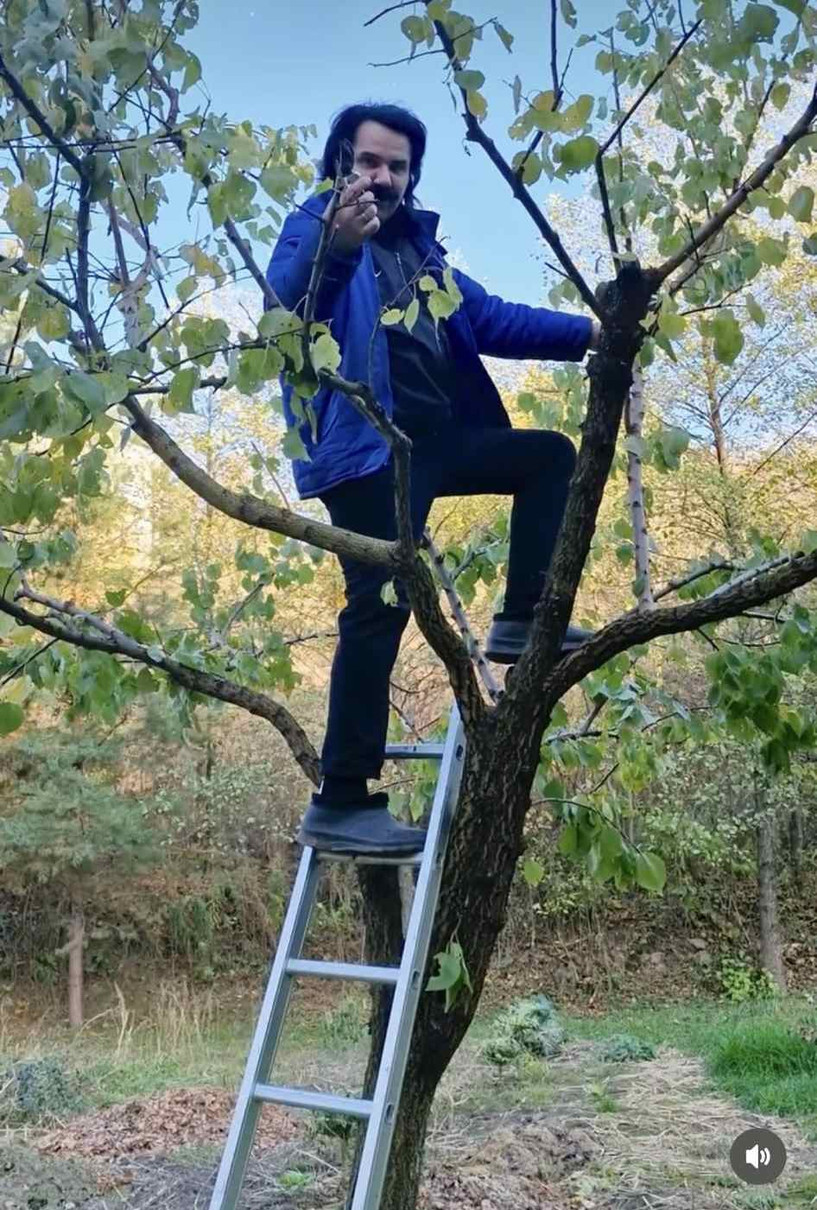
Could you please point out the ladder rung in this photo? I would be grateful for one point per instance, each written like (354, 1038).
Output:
(364, 859)
(343, 970)
(414, 751)
(352, 1107)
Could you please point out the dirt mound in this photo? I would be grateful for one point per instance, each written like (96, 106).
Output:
(179, 1117)
(512, 1168)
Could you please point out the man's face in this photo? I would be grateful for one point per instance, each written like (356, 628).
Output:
(385, 156)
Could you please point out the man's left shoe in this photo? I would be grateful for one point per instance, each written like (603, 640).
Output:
(507, 639)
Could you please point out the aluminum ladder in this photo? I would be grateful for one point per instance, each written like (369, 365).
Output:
(380, 1111)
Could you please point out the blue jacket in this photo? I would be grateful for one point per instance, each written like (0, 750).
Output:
(347, 446)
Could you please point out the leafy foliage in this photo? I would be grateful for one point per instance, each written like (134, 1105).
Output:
(39, 1090)
(625, 1048)
(528, 1027)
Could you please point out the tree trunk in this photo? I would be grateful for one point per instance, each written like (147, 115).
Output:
(771, 957)
(494, 795)
(796, 847)
(76, 945)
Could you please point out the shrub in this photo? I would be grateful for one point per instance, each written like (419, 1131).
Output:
(740, 981)
(40, 1089)
(625, 1048)
(529, 1027)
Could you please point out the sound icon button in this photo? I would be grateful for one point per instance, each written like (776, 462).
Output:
(758, 1156)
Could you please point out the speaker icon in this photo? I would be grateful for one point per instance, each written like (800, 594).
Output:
(758, 1157)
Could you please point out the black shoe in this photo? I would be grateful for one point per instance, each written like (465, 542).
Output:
(507, 640)
(364, 829)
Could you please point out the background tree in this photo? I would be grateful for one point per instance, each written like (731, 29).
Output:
(63, 826)
(93, 125)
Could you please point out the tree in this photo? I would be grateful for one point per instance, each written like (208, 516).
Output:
(62, 826)
(92, 98)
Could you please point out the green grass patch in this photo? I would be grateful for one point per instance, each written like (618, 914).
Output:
(760, 1053)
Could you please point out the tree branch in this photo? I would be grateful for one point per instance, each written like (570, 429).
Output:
(455, 604)
(634, 418)
(799, 130)
(250, 509)
(114, 642)
(751, 588)
(682, 581)
(476, 134)
(33, 110)
(616, 134)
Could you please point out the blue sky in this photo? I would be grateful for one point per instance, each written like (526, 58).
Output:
(298, 63)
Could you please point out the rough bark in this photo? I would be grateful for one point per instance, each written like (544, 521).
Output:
(635, 493)
(490, 816)
(795, 824)
(771, 955)
(75, 948)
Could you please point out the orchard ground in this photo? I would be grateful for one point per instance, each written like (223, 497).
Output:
(139, 1105)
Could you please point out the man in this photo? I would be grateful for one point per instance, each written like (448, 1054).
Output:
(433, 384)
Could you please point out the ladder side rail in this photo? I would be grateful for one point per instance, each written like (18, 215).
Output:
(377, 1144)
(266, 1036)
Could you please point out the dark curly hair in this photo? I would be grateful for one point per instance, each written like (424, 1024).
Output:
(345, 126)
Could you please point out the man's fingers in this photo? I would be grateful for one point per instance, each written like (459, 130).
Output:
(358, 187)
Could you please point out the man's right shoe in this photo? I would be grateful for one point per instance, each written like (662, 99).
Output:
(365, 830)
(508, 638)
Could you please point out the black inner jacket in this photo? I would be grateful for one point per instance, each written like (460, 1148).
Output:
(422, 371)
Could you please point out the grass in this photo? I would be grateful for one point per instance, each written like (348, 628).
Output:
(759, 1053)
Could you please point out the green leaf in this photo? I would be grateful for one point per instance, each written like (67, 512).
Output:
(517, 93)
(568, 840)
(801, 204)
(780, 95)
(392, 316)
(771, 251)
(469, 79)
(672, 324)
(415, 28)
(85, 388)
(727, 336)
(533, 872)
(477, 105)
(180, 396)
(186, 288)
(293, 446)
(532, 169)
(650, 871)
(192, 72)
(755, 310)
(577, 114)
(325, 353)
(448, 973)
(412, 313)
(505, 38)
(54, 323)
(577, 154)
(441, 305)
(759, 22)
(568, 13)
(450, 283)
(810, 244)
(11, 717)
(793, 6)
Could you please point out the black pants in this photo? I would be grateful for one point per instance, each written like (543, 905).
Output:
(531, 465)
